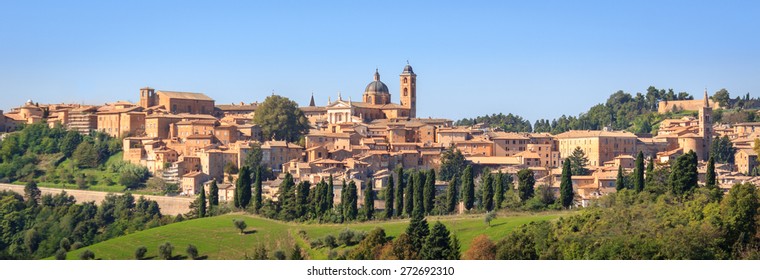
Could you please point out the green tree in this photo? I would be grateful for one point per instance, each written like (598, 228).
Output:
(710, 173)
(87, 255)
(417, 231)
(287, 198)
(566, 185)
(638, 173)
(302, 198)
(369, 201)
(452, 163)
(500, 185)
(525, 184)
(140, 252)
(256, 196)
(409, 195)
(330, 193)
(455, 247)
(620, 180)
(487, 190)
(280, 119)
(31, 192)
(429, 191)
(296, 253)
(723, 97)
(165, 250)
(578, 162)
(240, 225)
(350, 204)
(683, 175)
(213, 194)
(650, 171)
(390, 195)
(437, 245)
(722, 149)
(85, 155)
(419, 194)
(399, 207)
(468, 188)
(202, 204)
(243, 188)
(451, 195)
(70, 142)
(739, 213)
(192, 251)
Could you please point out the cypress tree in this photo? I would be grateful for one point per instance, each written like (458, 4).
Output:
(302, 198)
(620, 180)
(243, 188)
(257, 202)
(487, 188)
(683, 175)
(287, 198)
(451, 195)
(638, 175)
(409, 195)
(202, 204)
(468, 188)
(710, 174)
(369, 201)
(525, 183)
(330, 193)
(499, 186)
(566, 185)
(390, 194)
(429, 191)
(650, 171)
(399, 208)
(213, 194)
(351, 198)
(419, 196)
(344, 199)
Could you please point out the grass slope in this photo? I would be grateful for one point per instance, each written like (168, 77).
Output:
(217, 238)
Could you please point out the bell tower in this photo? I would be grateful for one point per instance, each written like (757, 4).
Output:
(408, 92)
(705, 128)
(147, 97)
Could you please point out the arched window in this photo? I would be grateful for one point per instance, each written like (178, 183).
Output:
(404, 80)
(406, 91)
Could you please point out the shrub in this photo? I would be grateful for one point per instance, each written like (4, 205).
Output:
(87, 255)
(192, 252)
(330, 241)
(140, 252)
(60, 254)
(165, 250)
(279, 255)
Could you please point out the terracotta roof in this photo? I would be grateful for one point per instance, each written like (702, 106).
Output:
(247, 107)
(507, 135)
(594, 133)
(184, 95)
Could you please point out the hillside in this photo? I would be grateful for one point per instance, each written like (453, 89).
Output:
(217, 238)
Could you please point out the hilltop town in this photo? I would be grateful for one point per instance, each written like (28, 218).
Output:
(188, 139)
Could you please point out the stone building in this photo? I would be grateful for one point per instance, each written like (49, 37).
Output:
(177, 102)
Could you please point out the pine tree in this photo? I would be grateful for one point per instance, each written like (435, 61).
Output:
(468, 188)
(257, 201)
(409, 195)
(399, 209)
(417, 231)
(566, 185)
(455, 254)
(710, 173)
(429, 191)
(213, 195)
(578, 162)
(638, 173)
(369, 201)
(451, 195)
(243, 188)
(437, 245)
(620, 181)
(487, 190)
(499, 183)
(202, 204)
(419, 194)
(389, 198)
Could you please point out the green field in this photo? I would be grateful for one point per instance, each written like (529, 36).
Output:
(217, 238)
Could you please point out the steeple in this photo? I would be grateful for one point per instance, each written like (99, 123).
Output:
(707, 102)
(377, 75)
(311, 103)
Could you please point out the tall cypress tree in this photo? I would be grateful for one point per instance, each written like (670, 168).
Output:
(638, 175)
(351, 199)
(650, 171)
(620, 180)
(429, 191)
(468, 188)
(287, 198)
(409, 195)
(330, 193)
(302, 198)
(451, 195)
(243, 188)
(369, 201)
(213, 195)
(566, 185)
(710, 174)
(419, 194)
(344, 199)
(202, 204)
(399, 208)
(257, 202)
(526, 182)
(487, 190)
(499, 186)
(390, 194)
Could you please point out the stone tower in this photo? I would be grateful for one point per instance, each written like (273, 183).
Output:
(147, 97)
(705, 128)
(408, 92)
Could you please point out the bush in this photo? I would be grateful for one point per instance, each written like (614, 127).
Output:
(346, 236)
(76, 245)
(240, 225)
(165, 250)
(140, 252)
(279, 255)
(60, 254)
(330, 241)
(87, 255)
(65, 244)
(316, 243)
(192, 252)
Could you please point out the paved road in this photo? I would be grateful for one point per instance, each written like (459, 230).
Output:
(168, 205)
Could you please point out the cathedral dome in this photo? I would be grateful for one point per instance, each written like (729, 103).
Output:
(376, 86)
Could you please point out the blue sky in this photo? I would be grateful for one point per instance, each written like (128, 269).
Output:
(537, 59)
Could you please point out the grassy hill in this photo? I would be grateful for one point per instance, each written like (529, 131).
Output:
(217, 238)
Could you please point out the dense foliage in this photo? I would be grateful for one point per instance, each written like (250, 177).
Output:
(281, 119)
